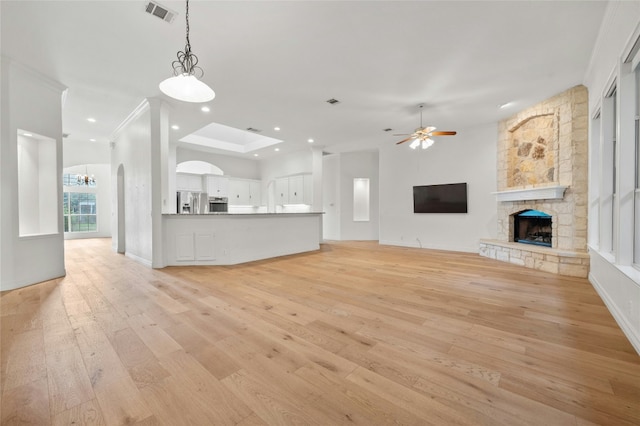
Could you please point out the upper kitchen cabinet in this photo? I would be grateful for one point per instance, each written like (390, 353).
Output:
(189, 182)
(244, 192)
(297, 189)
(217, 186)
(282, 191)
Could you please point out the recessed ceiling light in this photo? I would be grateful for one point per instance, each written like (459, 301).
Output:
(310, 140)
(91, 120)
(175, 127)
(92, 140)
(255, 155)
(277, 149)
(27, 134)
(277, 129)
(508, 104)
(205, 109)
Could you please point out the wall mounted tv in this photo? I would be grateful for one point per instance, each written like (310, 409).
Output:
(449, 198)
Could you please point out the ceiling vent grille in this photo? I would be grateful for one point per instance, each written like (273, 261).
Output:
(251, 129)
(161, 12)
(333, 101)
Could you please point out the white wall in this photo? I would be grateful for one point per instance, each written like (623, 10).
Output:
(612, 275)
(468, 157)
(102, 173)
(132, 149)
(78, 152)
(31, 102)
(331, 197)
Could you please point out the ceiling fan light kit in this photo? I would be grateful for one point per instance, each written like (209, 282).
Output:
(185, 85)
(422, 135)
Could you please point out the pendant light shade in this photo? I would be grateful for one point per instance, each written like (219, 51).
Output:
(185, 84)
(187, 88)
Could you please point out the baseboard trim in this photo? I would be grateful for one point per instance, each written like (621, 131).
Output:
(138, 259)
(627, 329)
(474, 249)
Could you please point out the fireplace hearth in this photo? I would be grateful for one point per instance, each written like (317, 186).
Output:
(532, 227)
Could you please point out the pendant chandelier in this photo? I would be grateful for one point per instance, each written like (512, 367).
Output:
(185, 85)
(85, 179)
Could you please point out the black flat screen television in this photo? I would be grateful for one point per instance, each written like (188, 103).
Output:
(449, 198)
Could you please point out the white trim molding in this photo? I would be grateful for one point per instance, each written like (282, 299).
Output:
(543, 193)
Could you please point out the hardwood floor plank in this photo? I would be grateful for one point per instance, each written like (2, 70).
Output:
(27, 404)
(85, 414)
(121, 403)
(25, 359)
(191, 378)
(354, 333)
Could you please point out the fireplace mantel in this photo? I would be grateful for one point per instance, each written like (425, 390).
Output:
(543, 193)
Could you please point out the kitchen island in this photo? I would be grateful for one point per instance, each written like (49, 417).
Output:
(233, 238)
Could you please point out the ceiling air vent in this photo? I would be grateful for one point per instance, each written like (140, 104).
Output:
(251, 129)
(161, 12)
(65, 135)
(333, 101)
(387, 129)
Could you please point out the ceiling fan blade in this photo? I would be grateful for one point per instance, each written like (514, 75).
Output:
(404, 140)
(401, 134)
(442, 133)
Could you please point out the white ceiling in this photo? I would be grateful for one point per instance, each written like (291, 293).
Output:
(276, 63)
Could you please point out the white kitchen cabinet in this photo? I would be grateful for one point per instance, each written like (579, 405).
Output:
(217, 186)
(192, 246)
(188, 182)
(282, 191)
(238, 192)
(296, 189)
(307, 189)
(255, 192)
(204, 246)
(244, 192)
(184, 247)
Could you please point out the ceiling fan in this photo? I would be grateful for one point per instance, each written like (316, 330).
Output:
(422, 135)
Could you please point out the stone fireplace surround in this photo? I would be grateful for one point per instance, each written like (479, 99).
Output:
(542, 158)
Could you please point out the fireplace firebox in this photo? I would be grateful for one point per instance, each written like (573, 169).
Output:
(532, 227)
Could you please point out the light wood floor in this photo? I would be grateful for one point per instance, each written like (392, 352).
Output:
(356, 333)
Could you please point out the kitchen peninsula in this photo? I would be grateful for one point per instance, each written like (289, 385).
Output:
(233, 238)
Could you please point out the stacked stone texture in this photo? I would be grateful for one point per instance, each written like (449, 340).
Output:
(561, 159)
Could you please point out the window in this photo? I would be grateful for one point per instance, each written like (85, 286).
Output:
(614, 180)
(636, 220)
(80, 212)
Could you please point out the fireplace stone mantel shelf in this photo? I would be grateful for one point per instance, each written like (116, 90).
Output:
(543, 193)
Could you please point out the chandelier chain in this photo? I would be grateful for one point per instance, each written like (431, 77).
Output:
(187, 63)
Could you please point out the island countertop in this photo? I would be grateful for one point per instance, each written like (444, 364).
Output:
(182, 215)
(233, 238)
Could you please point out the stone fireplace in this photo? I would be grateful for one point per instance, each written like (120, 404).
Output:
(542, 187)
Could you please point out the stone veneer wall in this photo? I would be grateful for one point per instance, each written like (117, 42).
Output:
(546, 145)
